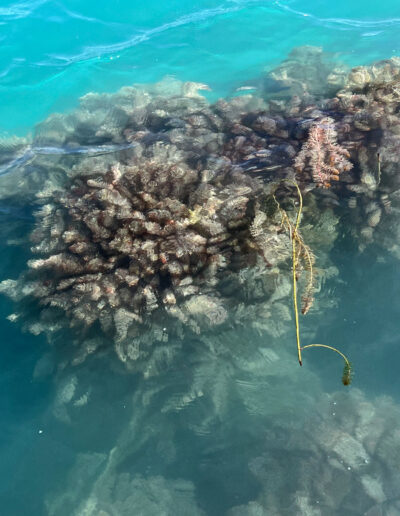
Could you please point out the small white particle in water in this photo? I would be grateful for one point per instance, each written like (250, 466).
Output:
(317, 501)
(366, 461)
(334, 402)
(164, 329)
(349, 468)
(333, 413)
(40, 431)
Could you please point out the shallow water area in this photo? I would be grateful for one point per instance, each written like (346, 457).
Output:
(148, 156)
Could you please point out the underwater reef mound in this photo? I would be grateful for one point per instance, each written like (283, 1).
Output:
(146, 249)
(368, 122)
(307, 72)
(157, 216)
(343, 461)
(362, 106)
(308, 451)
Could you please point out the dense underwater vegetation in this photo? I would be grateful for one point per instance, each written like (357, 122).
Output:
(149, 158)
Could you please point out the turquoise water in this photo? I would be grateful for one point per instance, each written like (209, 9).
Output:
(54, 52)
(228, 428)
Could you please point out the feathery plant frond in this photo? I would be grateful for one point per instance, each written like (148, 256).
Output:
(347, 376)
(303, 256)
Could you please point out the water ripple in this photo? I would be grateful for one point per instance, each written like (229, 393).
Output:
(82, 17)
(20, 9)
(96, 51)
(341, 23)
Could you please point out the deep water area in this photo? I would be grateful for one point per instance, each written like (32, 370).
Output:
(194, 198)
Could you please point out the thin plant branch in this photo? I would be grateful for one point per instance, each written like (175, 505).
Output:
(299, 248)
(348, 369)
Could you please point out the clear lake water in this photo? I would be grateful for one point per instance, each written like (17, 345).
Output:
(228, 424)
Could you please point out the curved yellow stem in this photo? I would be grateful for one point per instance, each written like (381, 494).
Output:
(296, 239)
(329, 347)
(347, 371)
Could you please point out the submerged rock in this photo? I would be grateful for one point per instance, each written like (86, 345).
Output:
(336, 463)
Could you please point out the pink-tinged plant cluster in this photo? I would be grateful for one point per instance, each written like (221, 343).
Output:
(322, 155)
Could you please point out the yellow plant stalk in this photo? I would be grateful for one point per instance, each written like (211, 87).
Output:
(296, 239)
(347, 371)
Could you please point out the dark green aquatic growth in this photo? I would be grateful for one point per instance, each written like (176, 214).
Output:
(347, 376)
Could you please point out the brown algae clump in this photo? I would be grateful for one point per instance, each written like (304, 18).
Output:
(125, 253)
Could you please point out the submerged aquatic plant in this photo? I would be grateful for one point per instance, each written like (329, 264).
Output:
(347, 375)
(137, 251)
(321, 153)
(126, 257)
(299, 250)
